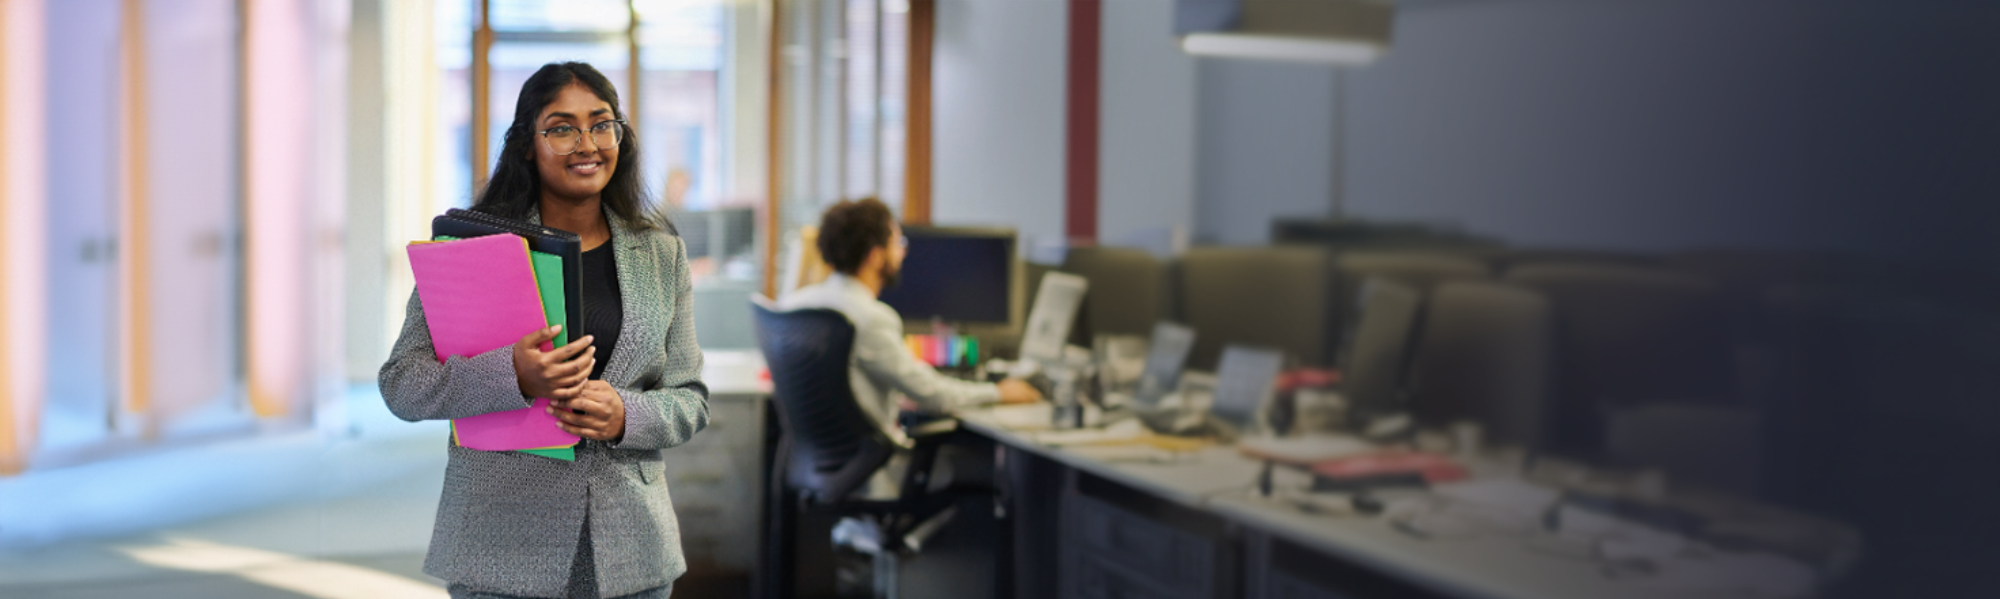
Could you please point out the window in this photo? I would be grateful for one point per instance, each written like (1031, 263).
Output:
(671, 61)
(848, 70)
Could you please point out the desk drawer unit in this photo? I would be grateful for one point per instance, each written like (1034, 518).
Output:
(1291, 571)
(1286, 586)
(716, 482)
(1098, 578)
(1137, 551)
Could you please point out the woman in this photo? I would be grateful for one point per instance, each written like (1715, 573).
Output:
(517, 525)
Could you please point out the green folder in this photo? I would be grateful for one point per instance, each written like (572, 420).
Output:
(548, 277)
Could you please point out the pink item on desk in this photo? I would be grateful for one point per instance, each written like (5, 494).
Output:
(1433, 468)
(478, 295)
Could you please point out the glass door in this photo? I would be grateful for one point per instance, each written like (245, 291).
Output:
(83, 83)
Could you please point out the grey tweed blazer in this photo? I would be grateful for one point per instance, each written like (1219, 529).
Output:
(509, 522)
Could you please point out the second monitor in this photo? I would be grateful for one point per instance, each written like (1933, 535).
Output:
(966, 276)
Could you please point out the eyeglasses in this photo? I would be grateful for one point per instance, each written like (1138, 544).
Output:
(565, 139)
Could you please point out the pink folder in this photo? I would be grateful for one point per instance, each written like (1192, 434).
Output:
(480, 294)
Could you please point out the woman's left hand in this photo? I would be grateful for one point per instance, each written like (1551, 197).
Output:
(602, 414)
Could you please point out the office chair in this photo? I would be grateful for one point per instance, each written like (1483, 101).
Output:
(830, 447)
(1513, 259)
(1646, 373)
(1420, 270)
(1266, 296)
(1374, 365)
(1129, 291)
(1485, 355)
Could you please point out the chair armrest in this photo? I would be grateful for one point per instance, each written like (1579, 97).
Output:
(917, 478)
(934, 430)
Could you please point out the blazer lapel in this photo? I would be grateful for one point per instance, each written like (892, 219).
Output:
(637, 280)
(638, 284)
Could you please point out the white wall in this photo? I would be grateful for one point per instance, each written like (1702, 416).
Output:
(1001, 80)
(998, 110)
(1146, 128)
(1266, 147)
(1631, 124)
(366, 265)
(1644, 125)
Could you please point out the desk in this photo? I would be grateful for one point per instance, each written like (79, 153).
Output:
(1203, 508)
(713, 477)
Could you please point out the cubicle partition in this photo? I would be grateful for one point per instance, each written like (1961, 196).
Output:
(1520, 345)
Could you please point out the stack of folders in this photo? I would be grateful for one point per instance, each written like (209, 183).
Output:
(485, 282)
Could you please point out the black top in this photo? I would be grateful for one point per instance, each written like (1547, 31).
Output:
(602, 312)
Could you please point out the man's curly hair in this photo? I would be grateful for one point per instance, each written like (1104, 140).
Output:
(851, 229)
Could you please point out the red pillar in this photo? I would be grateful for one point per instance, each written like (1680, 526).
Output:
(1080, 173)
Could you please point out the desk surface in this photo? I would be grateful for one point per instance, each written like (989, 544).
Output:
(1221, 480)
(1190, 479)
(734, 372)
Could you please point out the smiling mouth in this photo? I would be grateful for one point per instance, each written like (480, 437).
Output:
(586, 168)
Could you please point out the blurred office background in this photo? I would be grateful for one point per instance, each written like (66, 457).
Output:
(204, 204)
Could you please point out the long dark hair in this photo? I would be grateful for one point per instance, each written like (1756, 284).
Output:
(516, 186)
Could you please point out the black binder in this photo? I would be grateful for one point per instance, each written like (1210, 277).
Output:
(463, 224)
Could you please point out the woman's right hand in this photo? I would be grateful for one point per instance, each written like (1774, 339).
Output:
(555, 374)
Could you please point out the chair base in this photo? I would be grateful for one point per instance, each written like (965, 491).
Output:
(865, 536)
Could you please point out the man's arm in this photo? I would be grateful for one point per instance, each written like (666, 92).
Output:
(879, 350)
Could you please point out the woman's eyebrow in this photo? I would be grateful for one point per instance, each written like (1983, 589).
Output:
(565, 115)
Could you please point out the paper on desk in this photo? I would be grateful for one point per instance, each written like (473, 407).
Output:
(1511, 494)
(1304, 450)
(1122, 431)
(1033, 416)
(1127, 453)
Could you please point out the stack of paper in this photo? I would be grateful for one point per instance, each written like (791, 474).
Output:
(484, 293)
(1303, 451)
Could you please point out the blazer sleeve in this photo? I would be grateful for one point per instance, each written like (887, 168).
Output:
(417, 387)
(672, 410)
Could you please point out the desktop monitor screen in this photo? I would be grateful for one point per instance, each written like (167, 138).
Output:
(719, 233)
(1246, 380)
(1164, 360)
(956, 275)
(1377, 355)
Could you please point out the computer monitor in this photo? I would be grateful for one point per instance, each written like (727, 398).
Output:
(1246, 381)
(1166, 357)
(1378, 354)
(963, 276)
(718, 233)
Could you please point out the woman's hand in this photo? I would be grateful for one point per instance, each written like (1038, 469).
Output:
(556, 374)
(599, 413)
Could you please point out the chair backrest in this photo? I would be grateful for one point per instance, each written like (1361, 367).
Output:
(834, 445)
(1267, 296)
(1419, 270)
(1516, 258)
(1628, 336)
(1129, 291)
(1485, 355)
(1374, 363)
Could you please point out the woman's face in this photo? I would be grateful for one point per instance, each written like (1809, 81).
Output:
(583, 173)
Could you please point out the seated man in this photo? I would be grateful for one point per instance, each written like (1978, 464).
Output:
(863, 244)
